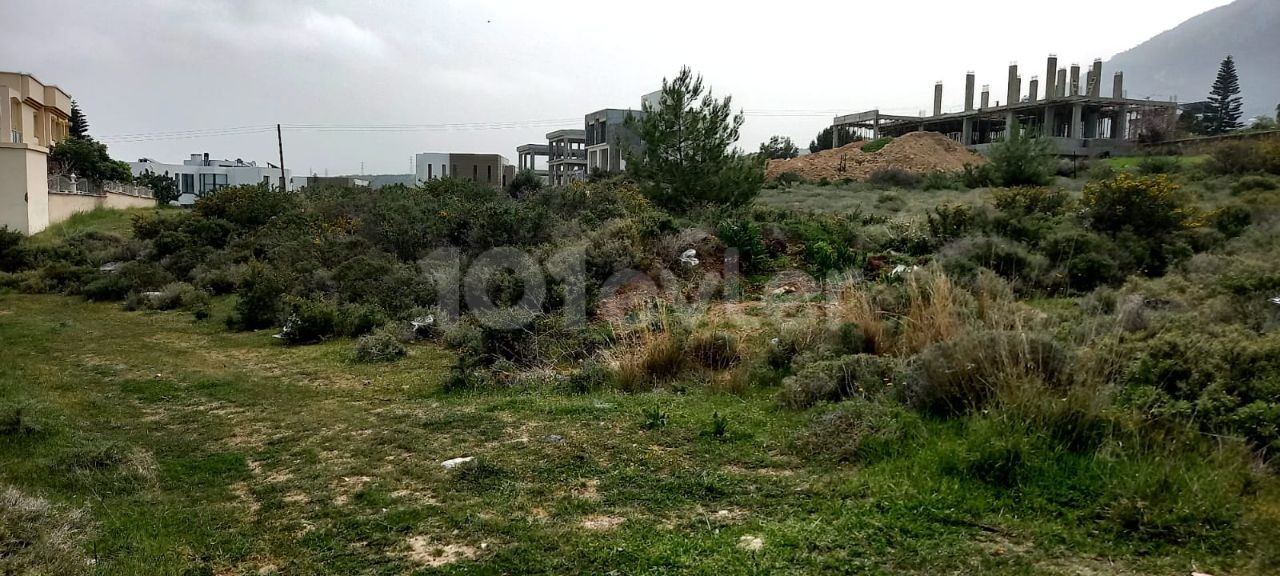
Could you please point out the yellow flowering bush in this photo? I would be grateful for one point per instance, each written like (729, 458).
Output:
(1148, 206)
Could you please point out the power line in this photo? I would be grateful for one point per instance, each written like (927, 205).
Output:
(405, 128)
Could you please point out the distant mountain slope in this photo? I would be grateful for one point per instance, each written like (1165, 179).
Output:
(1183, 61)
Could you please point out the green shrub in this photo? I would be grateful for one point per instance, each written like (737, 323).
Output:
(1038, 201)
(948, 221)
(135, 276)
(1231, 220)
(1151, 165)
(174, 296)
(21, 421)
(744, 235)
(525, 182)
(381, 346)
(1236, 157)
(960, 375)
(1021, 159)
(1005, 257)
(1082, 260)
(977, 176)
(788, 179)
(12, 256)
(860, 431)
(851, 376)
(877, 144)
(250, 206)
(894, 177)
(258, 298)
(1148, 206)
(309, 320)
(890, 202)
(1252, 183)
(938, 180)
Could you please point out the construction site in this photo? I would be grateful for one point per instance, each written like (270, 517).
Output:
(1065, 108)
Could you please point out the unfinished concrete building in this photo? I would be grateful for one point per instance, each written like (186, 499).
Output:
(1073, 114)
(527, 158)
(566, 156)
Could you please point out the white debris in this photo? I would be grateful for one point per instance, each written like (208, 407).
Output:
(152, 295)
(423, 322)
(455, 462)
(751, 543)
(689, 257)
(901, 269)
(110, 266)
(1275, 300)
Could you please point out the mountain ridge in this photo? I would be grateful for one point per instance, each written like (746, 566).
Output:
(1181, 63)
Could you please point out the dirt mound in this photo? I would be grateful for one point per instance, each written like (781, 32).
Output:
(918, 152)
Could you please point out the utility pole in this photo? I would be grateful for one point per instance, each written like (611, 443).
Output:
(284, 184)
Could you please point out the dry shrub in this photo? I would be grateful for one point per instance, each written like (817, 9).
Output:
(960, 375)
(660, 342)
(859, 308)
(716, 350)
(933, 315)
(37, 537)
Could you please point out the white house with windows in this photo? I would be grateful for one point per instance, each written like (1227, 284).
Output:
(200, 174)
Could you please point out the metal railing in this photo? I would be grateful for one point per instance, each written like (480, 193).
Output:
(72, 185)
(15, 136)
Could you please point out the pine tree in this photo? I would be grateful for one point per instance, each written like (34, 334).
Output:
(1224, 100)
(689, 158)
(79, 124)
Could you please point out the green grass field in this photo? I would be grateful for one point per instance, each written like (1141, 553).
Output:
(196, 450)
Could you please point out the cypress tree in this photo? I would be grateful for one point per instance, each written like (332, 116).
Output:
(1224, 100)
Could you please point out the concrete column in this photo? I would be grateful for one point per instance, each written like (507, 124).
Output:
(966, 132)
(1049, 122)
(1120, 128)
(1050, 72)
(1015, 86)
(937, 99)
(1095, 89)
(1060, 85)
(835, 135)
(1089, 83)
(1075, 79)
(1077, 121)
(968, 91)
(1033, 93)
(986, 97)
(1117, 86)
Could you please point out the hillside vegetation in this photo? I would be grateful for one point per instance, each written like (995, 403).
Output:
(927, 375)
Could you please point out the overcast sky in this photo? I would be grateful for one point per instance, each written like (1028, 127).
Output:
(155, 67)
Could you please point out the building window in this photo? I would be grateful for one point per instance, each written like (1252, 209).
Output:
(212, 182)
(188, 183)
(475, 173)
(429, 167)
(488, 170)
